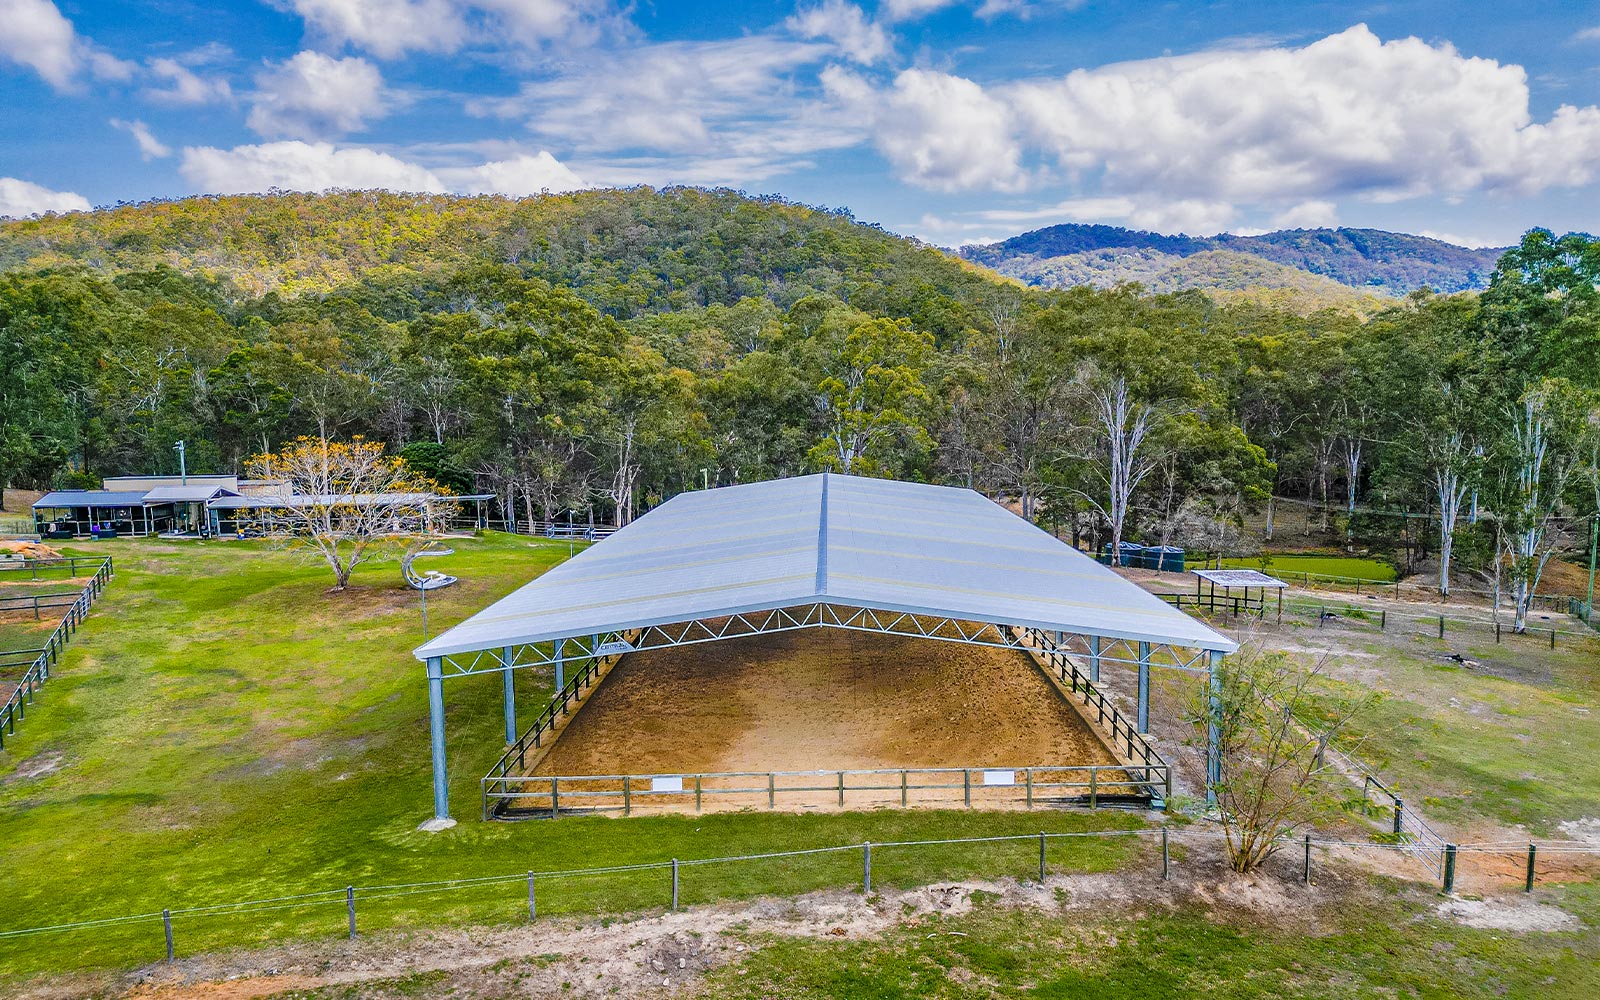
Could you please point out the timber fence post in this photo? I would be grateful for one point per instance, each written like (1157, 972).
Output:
(1532, 853)
(166, 923)
(1449, 869)
(1166, 855)
(350, 904)
(1306, 875)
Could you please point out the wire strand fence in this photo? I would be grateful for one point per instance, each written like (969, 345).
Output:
(669, 883)
(40, 660)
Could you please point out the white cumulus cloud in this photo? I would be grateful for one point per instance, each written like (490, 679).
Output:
(1290, 130)
(182, 85)
(391, 28)
(150, 148)
(315, 96)
(846, 26)
(940, 131)
(300, 166)
(320, 166)
(35, 34)
(20, 199)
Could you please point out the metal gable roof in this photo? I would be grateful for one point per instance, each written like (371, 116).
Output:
(186, 494)
(91, 498)
(845, 540)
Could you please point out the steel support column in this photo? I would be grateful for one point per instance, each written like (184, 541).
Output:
(1213, 728)
(441, 782)
(1144, 687)
(1094, 659)
(508, 657)
(561, 664)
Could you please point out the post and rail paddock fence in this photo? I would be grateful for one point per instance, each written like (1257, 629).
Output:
(551, 797)
(39, 661)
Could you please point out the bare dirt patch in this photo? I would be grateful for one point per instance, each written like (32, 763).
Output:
(1507, 913)
(822, 699)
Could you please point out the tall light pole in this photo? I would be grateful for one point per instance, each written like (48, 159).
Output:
(183, 468)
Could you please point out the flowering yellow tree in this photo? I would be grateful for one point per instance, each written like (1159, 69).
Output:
(342, 498)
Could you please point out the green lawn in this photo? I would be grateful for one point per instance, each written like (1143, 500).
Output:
(1192, 951)
(1319, 565)
(224, 728)
(1509, 739)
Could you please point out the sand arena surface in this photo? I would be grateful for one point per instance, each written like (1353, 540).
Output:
(822, 699)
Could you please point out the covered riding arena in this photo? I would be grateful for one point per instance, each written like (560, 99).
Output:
(816, 643)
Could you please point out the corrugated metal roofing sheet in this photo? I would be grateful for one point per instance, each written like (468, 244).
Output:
(87, 498)
(1239, 578)
(185, 494)
(844, 540)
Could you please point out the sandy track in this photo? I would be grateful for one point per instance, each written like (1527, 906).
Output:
(821, 699)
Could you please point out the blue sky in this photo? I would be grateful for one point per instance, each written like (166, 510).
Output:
(950, 120)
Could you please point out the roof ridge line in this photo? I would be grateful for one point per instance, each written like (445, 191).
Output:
(822, 539)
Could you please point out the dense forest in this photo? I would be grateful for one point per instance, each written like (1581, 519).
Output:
(607, 349)
(1369, 260)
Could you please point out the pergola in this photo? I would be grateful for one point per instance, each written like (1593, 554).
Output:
(821, 551)
(1241, 579)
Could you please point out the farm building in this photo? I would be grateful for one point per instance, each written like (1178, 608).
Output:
(876, 587)
(200, 506)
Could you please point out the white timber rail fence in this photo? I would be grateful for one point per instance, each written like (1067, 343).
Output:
(39, 661)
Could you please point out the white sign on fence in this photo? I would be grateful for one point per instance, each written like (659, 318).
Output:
(614, 648)
(673, 784)
(999, 777)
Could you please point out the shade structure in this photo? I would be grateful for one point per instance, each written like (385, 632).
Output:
(842, 540)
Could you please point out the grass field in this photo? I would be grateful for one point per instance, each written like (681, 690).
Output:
(1349, 567)
(224, 728)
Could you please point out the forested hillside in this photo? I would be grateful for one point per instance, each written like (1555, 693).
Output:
(1365, 259)
(608, 349)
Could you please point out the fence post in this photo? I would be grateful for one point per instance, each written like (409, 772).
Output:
(674, 885)
(772, 790)
(1029, 773)
(1383, 620)
(866, 868)
(627, 798)
(166, 923)
(1094, 773)
(966, 786)
(902, 788)
(350, 904)
(841, 789)
(533, 905)
(1552, 638)
(1399, 811)
(1532, 851)
(1306, 875)
(1496, 632)
(1166, 855)
(1441, 626)
(697, 793)
(1449, 869)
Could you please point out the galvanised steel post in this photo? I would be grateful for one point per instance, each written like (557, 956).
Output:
(441, 783)
(561, 671)
(511, 696)
(1094, 659)
(1213, 728)
(1144, 687)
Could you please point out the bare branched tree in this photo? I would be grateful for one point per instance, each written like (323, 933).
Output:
(347, 499)
(1273, 735)
(1122, 459)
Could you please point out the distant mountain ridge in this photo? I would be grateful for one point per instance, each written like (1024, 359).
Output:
(1369, 261)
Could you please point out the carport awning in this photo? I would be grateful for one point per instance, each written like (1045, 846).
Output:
(845, 540)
